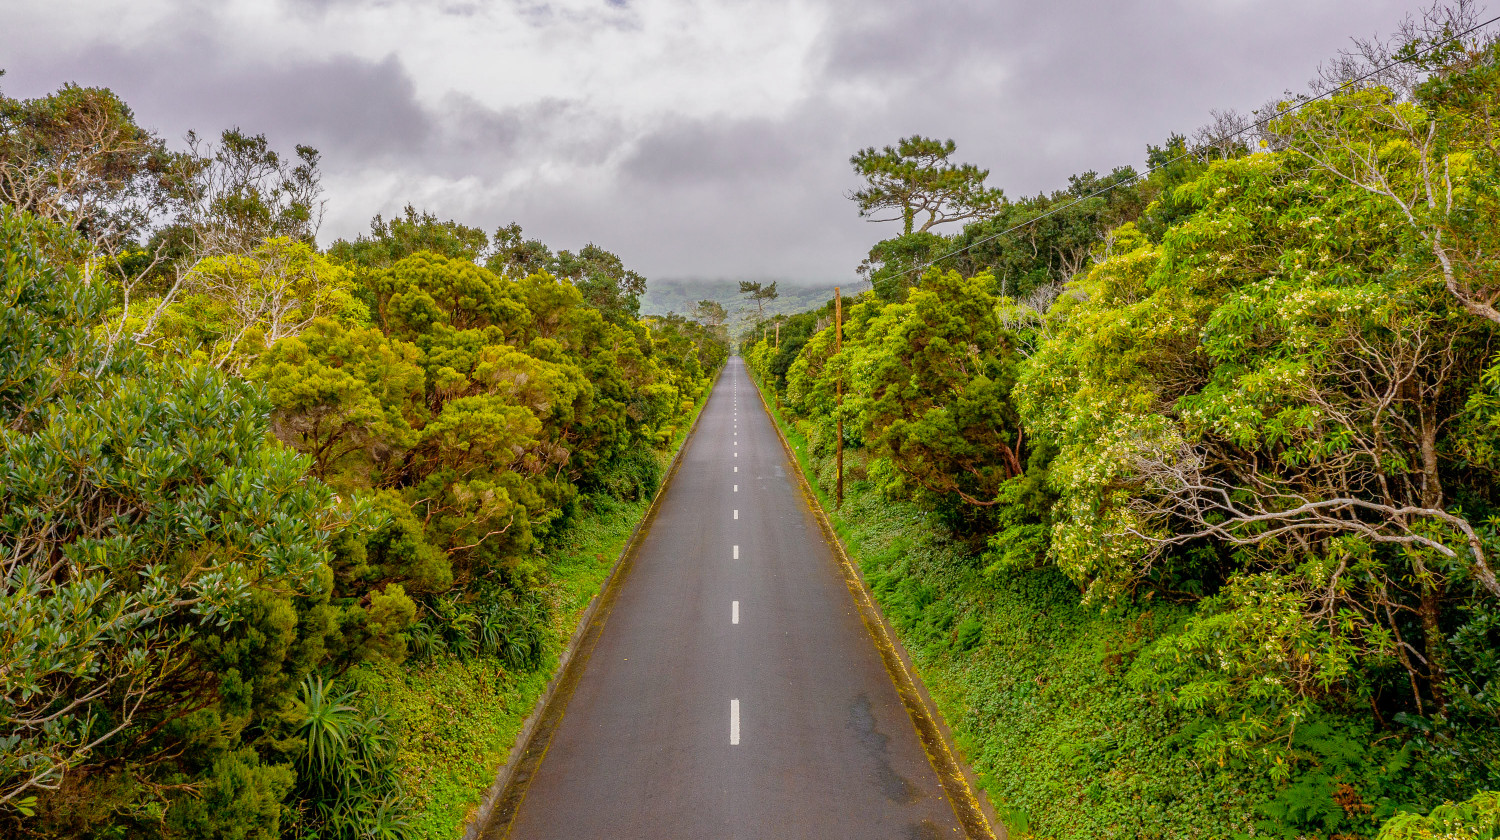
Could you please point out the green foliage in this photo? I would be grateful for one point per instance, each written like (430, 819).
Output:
(326, 722)
(1259, 389)
(230, 308)
(630, 476)
(47, 321)
(1477, 817)
(938, 387)
(913, 177)
(241, 800)
(390, 242)
(348, 766)
(181, 586)
(150, 534)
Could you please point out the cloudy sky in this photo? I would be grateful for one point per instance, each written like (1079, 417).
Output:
(696, 138)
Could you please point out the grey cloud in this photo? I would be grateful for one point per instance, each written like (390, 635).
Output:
(360, 108)
(361, 114)
(694, 151)
(1034, 92)
(455, 8)
(1038, 96)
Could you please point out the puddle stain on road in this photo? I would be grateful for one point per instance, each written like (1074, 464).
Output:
(924, 830)
(893, 785)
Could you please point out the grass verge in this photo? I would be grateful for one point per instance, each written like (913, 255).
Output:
(454, 720)
(1036, 688)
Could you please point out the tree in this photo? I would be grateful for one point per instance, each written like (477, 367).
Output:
(78, 158)
(145, 513)
(244, 192)
(915, 176)
(392, 241)
(607, 285)
(1412, 134)
(938, 406)
(233, 307)
(709, 313)
(1277, 390)
(342, 397)
(516, 256)
(761, 294)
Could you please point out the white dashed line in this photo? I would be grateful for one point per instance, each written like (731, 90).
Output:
(735, 612)
(736, 488)
(736, 553)
(734, 722)
(736, 514)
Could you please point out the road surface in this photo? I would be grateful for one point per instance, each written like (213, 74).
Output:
(732, 690)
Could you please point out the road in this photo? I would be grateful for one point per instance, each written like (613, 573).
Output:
(732, 690)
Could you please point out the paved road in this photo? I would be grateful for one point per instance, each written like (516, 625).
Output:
(734, 691)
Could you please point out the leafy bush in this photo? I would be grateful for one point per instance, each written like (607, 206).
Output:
(146, 519)
(1477, 818)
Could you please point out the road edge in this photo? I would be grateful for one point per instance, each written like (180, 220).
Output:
(502, 799)
(956, 778)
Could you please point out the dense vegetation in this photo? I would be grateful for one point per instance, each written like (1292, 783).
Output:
(1181, 486)
(251, 486)
(1183, 492)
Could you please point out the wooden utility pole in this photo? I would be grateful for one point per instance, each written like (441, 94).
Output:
(778, 335)
(838, 347)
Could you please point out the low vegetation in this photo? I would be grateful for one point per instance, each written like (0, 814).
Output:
(1195, 471)
(1180, 485)
(288, 534)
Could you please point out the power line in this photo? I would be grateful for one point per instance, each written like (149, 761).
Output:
(1216, 141)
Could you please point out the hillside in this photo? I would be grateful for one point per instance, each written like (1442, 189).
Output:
(679, 294)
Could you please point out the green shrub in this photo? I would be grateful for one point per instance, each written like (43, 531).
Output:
(1477, 818)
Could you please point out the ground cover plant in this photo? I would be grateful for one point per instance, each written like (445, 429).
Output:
(265, 503)
(1179, 484)
(1197, 468)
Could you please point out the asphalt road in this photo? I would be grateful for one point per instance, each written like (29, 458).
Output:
(733, 690)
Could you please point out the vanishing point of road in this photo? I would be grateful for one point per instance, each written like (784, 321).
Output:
(733, 689)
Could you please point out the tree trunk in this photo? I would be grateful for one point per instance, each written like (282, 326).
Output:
(1432, 586)
(1436, 644)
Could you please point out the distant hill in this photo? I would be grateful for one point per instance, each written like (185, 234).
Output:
(680, 294)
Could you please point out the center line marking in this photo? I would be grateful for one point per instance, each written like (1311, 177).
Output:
(736, 514)
(734, 722)
(736, 612)
(736, 488)
(736, 553)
